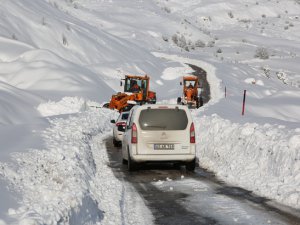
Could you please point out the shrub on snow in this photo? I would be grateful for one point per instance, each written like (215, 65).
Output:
(261, 53)
(199, 44)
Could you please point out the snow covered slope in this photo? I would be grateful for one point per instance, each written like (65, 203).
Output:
(53, 54)
(51, 49)
(69, 181)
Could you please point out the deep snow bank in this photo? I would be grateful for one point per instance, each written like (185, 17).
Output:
(262, 158)
(56, 179)
(70, 181)
(67, 105)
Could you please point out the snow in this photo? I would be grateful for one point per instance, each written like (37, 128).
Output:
(225, 209)
(61, 60)
(216, 91)
(172, 73)
(54, 178)
(17, 105)
(71, 177)
(67, 105)
(262, 158)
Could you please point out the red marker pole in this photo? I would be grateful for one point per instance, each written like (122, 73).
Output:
(244, 101)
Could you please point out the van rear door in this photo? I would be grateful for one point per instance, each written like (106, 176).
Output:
(163, 131)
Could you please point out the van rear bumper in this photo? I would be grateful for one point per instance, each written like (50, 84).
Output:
(162, 158)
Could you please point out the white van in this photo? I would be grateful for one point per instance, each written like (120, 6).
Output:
(159, 133)
(119, 128)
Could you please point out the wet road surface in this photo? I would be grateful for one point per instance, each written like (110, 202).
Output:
(178, 197)
(204, 85)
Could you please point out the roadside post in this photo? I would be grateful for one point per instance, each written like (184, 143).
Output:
(244, 101)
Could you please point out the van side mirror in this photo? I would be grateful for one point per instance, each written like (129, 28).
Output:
(113, 121)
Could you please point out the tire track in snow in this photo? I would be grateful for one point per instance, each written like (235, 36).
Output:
(180, 197)
(122, 205)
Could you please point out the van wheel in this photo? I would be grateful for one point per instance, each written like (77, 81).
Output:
(190, 166)
(177, 166)
(132, 166)
(124, 161)
(117, 143)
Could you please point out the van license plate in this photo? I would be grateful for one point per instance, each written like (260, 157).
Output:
(163, 146)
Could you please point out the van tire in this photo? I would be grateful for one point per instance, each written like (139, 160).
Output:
(190, 166)
(132, 166)
(177, 166)
(117, 143)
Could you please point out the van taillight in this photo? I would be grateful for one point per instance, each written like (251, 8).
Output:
(121, 124)
(192, 134)
(134, 134)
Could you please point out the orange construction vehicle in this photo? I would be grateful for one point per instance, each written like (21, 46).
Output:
(136, 90)
(190, 95)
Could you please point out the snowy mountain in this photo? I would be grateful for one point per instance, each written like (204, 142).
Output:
(60, 57)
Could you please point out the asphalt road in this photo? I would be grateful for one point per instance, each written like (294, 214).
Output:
(205, 87)
(178, 197)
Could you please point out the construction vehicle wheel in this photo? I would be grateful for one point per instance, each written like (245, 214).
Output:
(200, 101)
(152, 101)
(179, 101)
(106, 105)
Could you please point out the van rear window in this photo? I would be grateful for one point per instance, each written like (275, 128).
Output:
(125, 116)
(163, 119)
